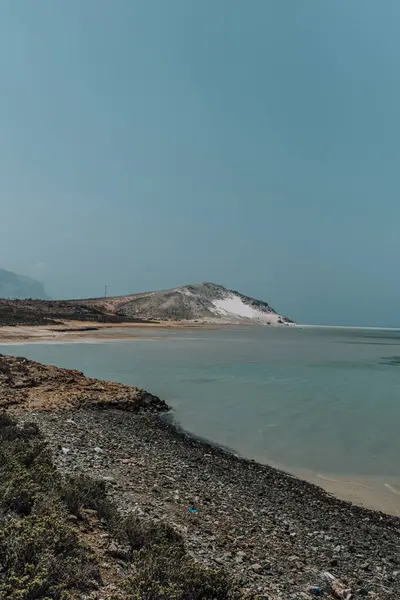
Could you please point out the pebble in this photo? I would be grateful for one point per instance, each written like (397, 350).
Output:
(236, 527)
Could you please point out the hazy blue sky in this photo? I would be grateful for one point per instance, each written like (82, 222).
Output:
(151, 143)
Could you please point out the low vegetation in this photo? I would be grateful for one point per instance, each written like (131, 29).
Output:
(45, 554)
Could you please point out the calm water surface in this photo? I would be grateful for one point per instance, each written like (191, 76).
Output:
(323, 400)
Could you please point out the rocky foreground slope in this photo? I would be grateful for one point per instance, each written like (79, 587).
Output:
(270, 531)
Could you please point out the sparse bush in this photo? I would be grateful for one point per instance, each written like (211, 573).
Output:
(138, 534)
(80, 492)
(41, 552)
(163, 572)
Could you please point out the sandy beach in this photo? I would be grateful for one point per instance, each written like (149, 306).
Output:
(92, 330)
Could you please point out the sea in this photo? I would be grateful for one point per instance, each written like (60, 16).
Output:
(320, 403)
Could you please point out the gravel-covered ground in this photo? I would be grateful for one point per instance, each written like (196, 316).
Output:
(274, 531)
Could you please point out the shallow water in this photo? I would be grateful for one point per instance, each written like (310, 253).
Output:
(311, 400)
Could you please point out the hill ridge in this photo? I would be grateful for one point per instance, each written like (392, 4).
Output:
(209, 301)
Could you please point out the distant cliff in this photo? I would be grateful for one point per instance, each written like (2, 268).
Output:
(19, 286)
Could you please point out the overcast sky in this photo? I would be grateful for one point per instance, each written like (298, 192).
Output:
(146, 144)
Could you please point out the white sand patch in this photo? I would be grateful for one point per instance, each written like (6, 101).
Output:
(234, 306)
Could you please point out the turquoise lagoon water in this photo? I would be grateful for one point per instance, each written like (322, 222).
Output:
(323, 400)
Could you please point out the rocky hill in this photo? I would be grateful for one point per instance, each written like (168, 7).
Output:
(20, 286)
(205, 301)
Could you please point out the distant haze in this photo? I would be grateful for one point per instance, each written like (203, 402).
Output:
(18, 286)
(150, 144)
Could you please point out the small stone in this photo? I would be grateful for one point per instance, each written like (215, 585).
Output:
(334, 562)
(256, 567)
(337, 548)
(366, 566)
(66, 450)
(98, 449)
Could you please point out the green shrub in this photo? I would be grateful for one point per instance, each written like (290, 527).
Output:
(80, 492)
(41, 554)
(138, 534)
(163, 572)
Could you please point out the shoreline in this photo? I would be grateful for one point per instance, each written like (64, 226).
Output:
(343, 487)
(73, 331)
(375, 492)
(275, 532)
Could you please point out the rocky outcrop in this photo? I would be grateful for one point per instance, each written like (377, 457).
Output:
(30, 386)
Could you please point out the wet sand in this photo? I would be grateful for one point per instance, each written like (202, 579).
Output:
(376, 493)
